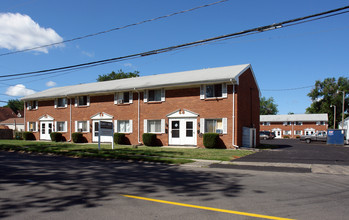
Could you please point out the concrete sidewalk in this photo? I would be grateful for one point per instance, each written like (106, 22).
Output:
(268, 166)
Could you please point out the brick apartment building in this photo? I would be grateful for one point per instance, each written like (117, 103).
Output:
(295, 125)
(178, 107)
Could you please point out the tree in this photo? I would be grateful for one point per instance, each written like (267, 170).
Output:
(268, 107)
(119, 75)
(326, 94)
(15, 104)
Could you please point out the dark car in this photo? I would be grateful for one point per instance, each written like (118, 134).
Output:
(266, 135)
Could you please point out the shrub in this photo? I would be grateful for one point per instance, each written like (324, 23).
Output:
(19, 135)
(286, 136)
(119, 138)
(27, 135)
(77, 137)
(211, 140)
(298, 136)
(55, 136)
(149, 139)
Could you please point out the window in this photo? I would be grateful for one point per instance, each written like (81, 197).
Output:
(287, 123)
(154, 95)
(123, 97)
(265, 123)
(298, 132)
(32, 105)
(32, 126)
(287, 132)
(154, 126)
(213, 91)
(321, 123)
(214, 126)
(82, 101)
(61, 126)
(82, 126)
(124, 126)
(298, 123)
(61, 103)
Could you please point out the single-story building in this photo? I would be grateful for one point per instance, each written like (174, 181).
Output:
(178, 107)
(16, 124)
(295, 125)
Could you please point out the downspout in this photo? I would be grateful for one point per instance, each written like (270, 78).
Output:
(138, 116)
(233, 116)
(70, 117)
(25, 125)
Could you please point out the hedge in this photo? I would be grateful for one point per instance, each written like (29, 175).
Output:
(149, 139)
(211, 140)
(27, 135)
(55, 136)
(119, 138)
(77, 137)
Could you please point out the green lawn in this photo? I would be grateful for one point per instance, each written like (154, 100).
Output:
(143, 153)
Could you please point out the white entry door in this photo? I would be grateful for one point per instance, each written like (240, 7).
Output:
(96, 132)
(182, 131)
(46, 128)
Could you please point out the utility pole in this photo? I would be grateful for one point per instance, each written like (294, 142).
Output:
(334, 115)
(343, 103)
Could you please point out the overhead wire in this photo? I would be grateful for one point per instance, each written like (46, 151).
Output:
(114, 29)
(183, 46)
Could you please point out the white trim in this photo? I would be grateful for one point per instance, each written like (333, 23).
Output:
(162, 94)
(145, 96)
(116, 98)
(163, 125)
(131, 126)
(224, 90)
(202, 91)
(145, 126)
(202, 125)
(225, 125)
(130, 97)
(116, 126)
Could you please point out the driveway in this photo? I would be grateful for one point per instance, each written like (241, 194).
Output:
(294, 151)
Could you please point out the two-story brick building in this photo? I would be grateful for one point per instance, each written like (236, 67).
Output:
(295, 125)
(178, 107)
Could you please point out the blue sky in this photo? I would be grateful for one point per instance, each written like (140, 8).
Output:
(282, 59)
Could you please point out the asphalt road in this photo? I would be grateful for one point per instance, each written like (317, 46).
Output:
(295, 151)
(49, 187)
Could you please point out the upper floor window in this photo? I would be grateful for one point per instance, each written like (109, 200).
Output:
(31, 105)
(61, 103)
(123, 97)
(154, 95)
(298, 123)
(320, 123)
(287, 123)
(265, 123)
(82, 101)
(213, 91)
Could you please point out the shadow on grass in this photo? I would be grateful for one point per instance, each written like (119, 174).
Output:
(54, 184)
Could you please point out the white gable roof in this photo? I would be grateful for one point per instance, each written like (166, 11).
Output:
(295, 117)
(211, 75)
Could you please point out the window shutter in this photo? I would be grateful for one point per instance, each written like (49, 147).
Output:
(162, 95)
(131, 126)
(88, 100)
(131, 98)
(317, 123)
(36, 126)
(88, 126)
(56, 103)
(285, 123)
(202, 91)
(66, 102)
(163, 125)
(224, 90)
(116, 98)
(27, 104)
(76, 126)
(66, 126)
(37, 104)
(145, 96)
(76, 102)
(202, 125)
(28, 126)
(145, 129)
(116, 126)
(225, 125)
(55, 128)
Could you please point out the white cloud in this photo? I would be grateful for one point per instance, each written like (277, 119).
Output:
(128, 65)
(19, 32)
(19, 90)
(50, 84)
(88, 53)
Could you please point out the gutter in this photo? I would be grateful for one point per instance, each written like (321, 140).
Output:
(233, 81)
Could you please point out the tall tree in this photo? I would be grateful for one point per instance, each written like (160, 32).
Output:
(325, 94)
(268, 107)
(119, 75)
(15, 104)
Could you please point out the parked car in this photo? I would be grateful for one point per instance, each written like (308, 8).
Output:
(318, 136)
(266, 135)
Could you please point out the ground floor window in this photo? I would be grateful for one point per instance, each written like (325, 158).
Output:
(298, 132)
(124, 126)
(61, 126)
(214, 126)
(287, 132)
(154, 126)
(32, 126)
(82, 126)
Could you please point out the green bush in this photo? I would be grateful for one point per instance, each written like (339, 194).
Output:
(77, 137)
(119, 138)
(27, 135)
(55, 136)
(211, 140)
(149, 139)
(19, 135)
(286, 136)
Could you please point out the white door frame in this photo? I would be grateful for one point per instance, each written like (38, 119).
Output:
(101, 116)
(46, 121)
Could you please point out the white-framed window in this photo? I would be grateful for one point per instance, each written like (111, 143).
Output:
(154, 126)
(61, 126)
(298, 123)
(61, 103)
(215, 125)
(287, 132)
(123, 126)
(213, 91)
(296, 132)
(32, 105)
(32, 126)
(154, 95)
(287, 123)
(265, 123)
(82, 101)
(123, 98)
(320, 123)
(82, 126)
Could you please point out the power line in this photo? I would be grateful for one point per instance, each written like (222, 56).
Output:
(289, 89)
(114, 29)
(187, 45)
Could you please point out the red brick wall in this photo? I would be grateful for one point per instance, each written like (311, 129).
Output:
(246, 104)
